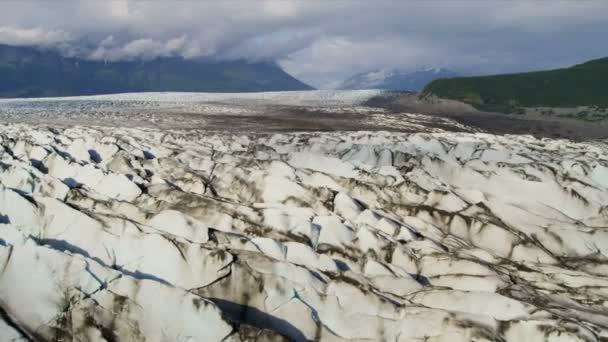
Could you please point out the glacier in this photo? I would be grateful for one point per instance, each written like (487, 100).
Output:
(120, 233)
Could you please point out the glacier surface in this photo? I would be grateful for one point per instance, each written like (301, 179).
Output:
(165, 223)
(136, 234)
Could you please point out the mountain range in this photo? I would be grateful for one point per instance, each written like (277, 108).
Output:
(34, 72)
(395, 79)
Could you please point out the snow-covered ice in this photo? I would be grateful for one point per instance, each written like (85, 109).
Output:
(315, 97)
(132, 234)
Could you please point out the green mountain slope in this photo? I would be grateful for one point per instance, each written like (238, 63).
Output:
(30, 72)
(581, 85)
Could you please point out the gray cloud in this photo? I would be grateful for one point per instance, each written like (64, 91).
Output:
(320, 41)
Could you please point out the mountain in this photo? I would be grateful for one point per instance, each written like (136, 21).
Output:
(579, 85)
(394, 79)
(32, 72)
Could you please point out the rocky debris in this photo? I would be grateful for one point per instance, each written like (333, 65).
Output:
(318, 110)
(143, 234)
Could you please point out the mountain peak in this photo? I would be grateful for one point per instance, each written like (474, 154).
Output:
(435, 70)
(396, 79)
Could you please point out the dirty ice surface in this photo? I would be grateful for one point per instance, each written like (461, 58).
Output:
(133, 234)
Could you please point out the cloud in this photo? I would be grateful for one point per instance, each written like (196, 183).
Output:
(144, 49)
(320, 41)
(33, 36)
(326, 59)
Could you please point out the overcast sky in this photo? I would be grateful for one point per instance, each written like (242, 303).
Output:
(321, 42)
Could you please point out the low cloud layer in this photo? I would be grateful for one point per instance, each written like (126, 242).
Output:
(320, 42)
(33, 36)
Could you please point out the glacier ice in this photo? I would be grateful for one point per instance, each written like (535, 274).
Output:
(186, 235)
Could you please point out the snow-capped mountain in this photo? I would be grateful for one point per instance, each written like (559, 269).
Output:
(396, 79)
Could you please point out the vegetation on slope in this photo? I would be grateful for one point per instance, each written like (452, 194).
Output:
(31, 72)
(580, 85)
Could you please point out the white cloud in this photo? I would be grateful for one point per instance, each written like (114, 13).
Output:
(145, 49)
(32, 36)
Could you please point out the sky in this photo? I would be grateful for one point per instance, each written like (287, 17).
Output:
(320, 42)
